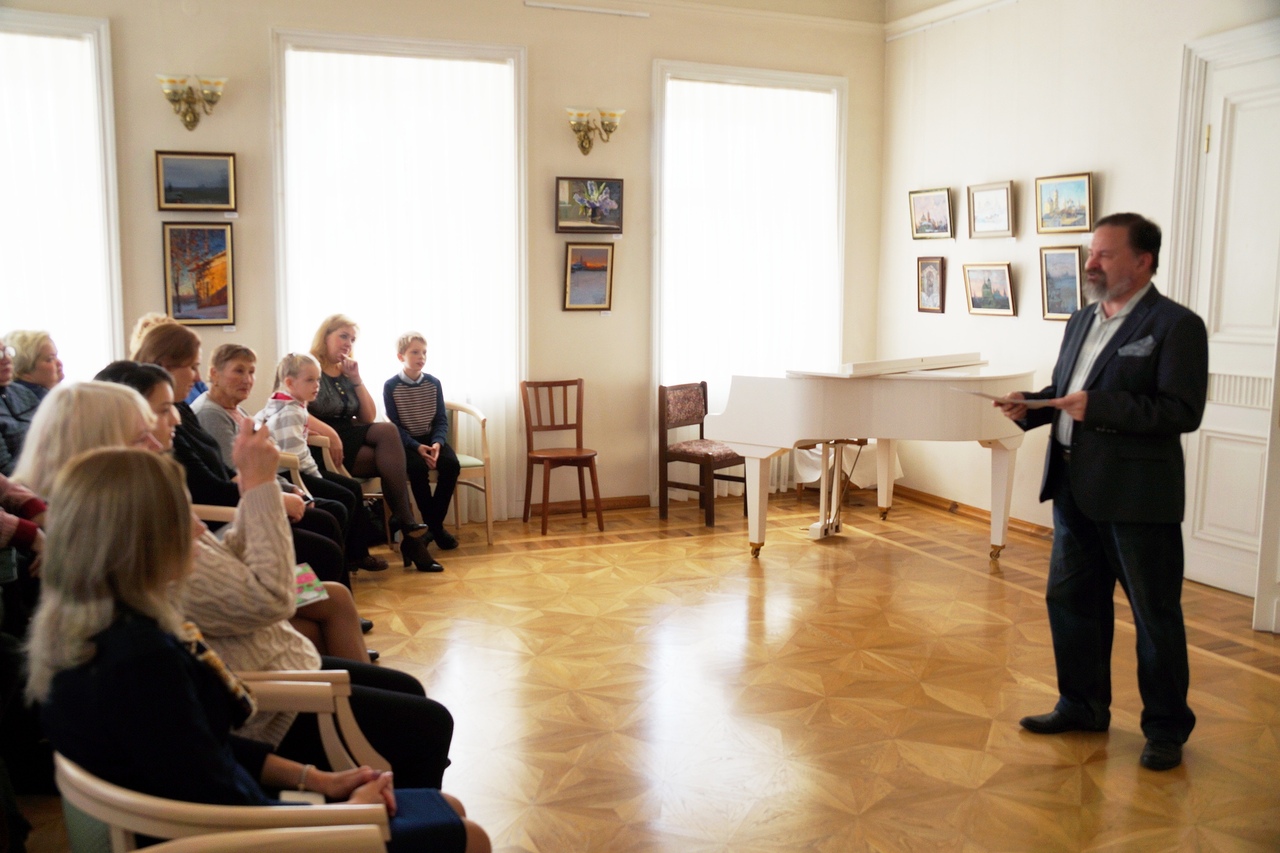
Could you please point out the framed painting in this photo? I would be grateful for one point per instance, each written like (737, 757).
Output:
(1064, 203)
(930, 213)
(588, 276)
(189, 180)
(930, 285)
(1060, 281)
(989, 289)
(588, 206)
(198, 281)
(991, 210)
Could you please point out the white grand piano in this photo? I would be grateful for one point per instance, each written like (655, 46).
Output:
(913, 398)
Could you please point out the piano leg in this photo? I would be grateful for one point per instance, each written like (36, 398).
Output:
(1004, 453)
(832, 491)
(757, 471)
(886, 448)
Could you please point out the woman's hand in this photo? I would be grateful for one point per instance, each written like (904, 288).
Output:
(339, 786)
(379, 790)
(351, 370)
(255, 457)
(294, 506)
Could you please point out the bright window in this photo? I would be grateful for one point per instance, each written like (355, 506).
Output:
(58, 219)
(401, 207)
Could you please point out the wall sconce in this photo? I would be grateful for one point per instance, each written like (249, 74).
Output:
(185, 97)
(584, 127)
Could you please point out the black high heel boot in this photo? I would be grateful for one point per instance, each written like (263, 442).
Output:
(413, 548)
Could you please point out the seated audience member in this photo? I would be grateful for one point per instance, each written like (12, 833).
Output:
(317, 536)
(332, 624)
(220, 411)
(140, 329)
(106, 637)
(370, 449)
(35, 361)
(242, 589)
(21, 544)
(17, 408)
(415, 403)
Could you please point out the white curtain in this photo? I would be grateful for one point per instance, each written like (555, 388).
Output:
(56, 254)
(401, 209)
(751, 232)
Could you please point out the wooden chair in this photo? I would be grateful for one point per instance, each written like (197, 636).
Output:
(556, 406)
(371, 486)
(686, 405)
(294, 839)
(475, 469)
(128, 814)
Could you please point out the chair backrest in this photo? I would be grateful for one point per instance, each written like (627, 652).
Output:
(682, 405)
(553, 406)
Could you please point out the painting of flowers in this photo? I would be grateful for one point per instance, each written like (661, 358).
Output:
(588, 206)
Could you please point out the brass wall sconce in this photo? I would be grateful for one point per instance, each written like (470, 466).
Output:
(583, 125)
(185, 97)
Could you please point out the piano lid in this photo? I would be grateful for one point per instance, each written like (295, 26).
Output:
(895, 365)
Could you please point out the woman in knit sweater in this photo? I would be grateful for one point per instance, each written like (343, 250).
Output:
(242, 589)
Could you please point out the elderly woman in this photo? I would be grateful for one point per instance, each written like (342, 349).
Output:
(209, 478)
(221, 412)
(370, 449)
(243, 590)
(35, 361)
(17, 408)
(332, 623)
(107, 638)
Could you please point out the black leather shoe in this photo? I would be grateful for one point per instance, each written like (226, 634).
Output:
(1055, 723)
(370, 563)
(373, 656)
(1161, 755)
(366, 625)
(445, 540)
(414, 550)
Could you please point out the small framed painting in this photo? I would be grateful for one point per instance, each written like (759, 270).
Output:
(198, 282)
(588, 206)
(930, 213)
(588, 276)
(1064, 203)
(189, 180)
(991, 210)
(989, 289)
(1060, 282)
(930, 284)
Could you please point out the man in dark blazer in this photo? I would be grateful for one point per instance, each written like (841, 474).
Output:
(1131, 377)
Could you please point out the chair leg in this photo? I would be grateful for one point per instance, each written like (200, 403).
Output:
(528, 488)
(664, 500)
(582, 491)
(595, 490)
(546, 495)
(488, 509)
(709, 493)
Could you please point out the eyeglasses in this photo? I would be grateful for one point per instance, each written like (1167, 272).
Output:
(8, 352)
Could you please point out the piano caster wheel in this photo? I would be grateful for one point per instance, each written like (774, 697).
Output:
(995, 551)
(755, 548)
(884, 512)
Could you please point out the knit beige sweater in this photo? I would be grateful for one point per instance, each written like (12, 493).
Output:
(242, 593)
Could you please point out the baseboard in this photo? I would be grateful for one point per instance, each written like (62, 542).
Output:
(966, 511)
(575, 506)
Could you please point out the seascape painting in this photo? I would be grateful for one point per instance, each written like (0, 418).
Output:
(1060, 281)
(588, 276)
(1064, 203)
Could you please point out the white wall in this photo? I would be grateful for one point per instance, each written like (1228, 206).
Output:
(573, 58)
(1026, 89)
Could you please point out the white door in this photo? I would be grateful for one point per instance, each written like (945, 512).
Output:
(1234, 285)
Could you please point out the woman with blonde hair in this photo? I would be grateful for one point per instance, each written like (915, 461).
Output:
(35, 361)
(107, 638)
(243, 590)
(370, 449)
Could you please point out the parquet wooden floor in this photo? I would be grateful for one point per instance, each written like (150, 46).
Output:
(653, 688)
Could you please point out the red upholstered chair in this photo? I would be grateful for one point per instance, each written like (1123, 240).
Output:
(685, 405)
(556, 407)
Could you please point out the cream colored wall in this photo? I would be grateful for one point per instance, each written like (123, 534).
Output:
(573, 58)
(1026, 89)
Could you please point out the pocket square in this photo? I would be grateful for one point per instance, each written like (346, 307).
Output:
(1139, 348)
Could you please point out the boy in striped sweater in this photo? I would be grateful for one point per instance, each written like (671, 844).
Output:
(414, 402)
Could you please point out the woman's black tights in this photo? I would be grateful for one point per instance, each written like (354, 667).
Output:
(383, 456)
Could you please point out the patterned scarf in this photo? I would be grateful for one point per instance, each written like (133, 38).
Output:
(242, 701)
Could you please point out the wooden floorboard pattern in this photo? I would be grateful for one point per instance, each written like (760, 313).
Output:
(653, 688)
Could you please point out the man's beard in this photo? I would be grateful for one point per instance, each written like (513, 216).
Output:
(1096, 287)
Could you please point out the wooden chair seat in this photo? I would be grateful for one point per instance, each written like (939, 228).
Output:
(556, 406)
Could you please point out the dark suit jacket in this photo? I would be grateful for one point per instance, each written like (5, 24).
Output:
(1146, 388)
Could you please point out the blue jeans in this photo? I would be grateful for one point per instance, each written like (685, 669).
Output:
(1088, 558)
